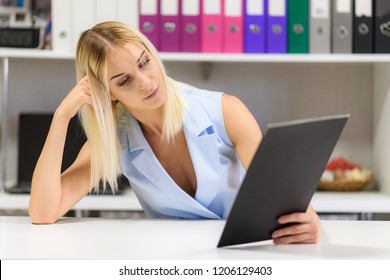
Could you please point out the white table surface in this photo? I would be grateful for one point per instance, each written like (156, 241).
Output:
(98, 238)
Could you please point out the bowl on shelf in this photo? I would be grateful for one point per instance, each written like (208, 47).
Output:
(341, 175)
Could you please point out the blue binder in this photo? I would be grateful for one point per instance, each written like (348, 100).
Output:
(277, 26)
(255, 26)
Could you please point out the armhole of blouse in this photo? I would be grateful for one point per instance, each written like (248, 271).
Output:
(215, 112)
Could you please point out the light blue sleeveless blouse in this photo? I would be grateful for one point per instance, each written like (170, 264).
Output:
(219, 172)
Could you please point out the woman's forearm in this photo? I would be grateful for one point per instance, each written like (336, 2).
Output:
(46, 191)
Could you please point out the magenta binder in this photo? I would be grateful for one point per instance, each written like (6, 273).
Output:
(212, 24)
(255, 13)
(277, 26)
(190, 25)
(149, 20)
(170, 26)
(233, 36)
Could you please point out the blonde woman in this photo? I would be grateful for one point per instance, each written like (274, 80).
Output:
(184, 150)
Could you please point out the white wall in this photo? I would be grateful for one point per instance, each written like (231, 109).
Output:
(381, 133)
(273, 92)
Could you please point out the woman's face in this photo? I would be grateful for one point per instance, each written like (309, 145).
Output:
(135, 78)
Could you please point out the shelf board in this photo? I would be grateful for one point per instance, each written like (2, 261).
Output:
(126, 202)
(351, 202)
(35, 54)
(322, 202)
(208, 57)
(277, 58)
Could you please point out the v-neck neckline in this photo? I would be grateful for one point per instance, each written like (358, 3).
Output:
(202, 142)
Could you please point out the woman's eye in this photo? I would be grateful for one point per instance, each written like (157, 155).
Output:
(144, 63)
(124, 81)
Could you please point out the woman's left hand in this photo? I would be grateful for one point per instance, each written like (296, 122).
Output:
(305, 230)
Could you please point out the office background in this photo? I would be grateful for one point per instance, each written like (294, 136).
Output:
(276, 89)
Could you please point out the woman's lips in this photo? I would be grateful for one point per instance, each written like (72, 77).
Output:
(151, 95)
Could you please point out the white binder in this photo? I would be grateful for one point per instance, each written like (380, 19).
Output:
(61, 25)
(70, 18)
(127, 12)
(105, 10)
(82, 18)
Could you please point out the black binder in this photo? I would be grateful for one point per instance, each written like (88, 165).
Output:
(363, 28)
(382, 26)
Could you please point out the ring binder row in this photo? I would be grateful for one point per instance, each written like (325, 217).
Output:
(235, 26)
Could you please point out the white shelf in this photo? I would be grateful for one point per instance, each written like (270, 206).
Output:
(277, 58)
(351, 202)
(322, 202)
(126, 202)
(35, 54)
(207, 57)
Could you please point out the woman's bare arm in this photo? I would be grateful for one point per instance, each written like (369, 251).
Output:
(242, 128)
(53, 193)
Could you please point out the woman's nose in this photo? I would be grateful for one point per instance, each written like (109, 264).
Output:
(144, 83)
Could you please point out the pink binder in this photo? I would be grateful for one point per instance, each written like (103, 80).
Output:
(170, 26)
(212, 24)
(149, 20)
(190, 21)
(233, 26)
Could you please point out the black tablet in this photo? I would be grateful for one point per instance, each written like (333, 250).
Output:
(282, 177)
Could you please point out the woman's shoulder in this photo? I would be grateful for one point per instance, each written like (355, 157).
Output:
(206, 104)
(204, 96)
(202, 99)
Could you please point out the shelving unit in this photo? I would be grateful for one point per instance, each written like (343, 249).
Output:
(209, 65)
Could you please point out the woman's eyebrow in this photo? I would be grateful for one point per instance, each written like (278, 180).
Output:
(120, 74)
(116, 76)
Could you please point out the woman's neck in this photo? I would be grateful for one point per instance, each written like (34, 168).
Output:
(151, 122)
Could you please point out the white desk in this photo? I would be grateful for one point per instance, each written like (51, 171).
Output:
(97, 238)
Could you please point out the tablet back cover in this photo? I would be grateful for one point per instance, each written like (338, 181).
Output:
(282, 177)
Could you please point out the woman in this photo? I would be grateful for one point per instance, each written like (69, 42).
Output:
(184, 150)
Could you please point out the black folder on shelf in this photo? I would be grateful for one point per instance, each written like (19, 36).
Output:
(382, 26)
(363, 27)
(282, 177)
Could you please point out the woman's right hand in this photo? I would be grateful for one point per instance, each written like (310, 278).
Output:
(76, 98)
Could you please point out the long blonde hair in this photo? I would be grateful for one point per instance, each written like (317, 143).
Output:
(100, 122)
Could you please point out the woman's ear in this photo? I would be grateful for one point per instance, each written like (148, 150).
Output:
(113, 98)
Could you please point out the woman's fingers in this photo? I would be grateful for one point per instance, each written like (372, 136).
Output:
(76, 98)
(304, 228)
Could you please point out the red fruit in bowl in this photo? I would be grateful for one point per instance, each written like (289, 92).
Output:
(341, 164)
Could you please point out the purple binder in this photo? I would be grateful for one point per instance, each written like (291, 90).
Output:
(170, 26)
(255, 27)
(149, 20)
(277, 28)
(190, 20)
